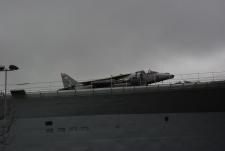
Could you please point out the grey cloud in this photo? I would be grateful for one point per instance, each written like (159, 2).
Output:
(95, 38)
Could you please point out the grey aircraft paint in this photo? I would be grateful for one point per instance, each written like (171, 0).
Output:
(131, 79)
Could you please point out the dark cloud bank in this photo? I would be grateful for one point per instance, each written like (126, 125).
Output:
(96, 38)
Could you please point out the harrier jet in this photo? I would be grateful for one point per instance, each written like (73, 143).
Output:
(131, 79)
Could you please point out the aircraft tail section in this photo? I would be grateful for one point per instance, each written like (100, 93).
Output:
(68, 82)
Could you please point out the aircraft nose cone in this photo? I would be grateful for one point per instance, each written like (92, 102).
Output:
(172, 76)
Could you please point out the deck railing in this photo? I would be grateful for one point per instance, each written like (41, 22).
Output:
(182, 79)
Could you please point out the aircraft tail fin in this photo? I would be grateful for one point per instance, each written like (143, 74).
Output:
(68, 82)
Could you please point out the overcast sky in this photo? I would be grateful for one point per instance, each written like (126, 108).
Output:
(95, 38)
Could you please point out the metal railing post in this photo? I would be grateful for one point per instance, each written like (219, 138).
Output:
(140, 81)
(170, 82)
(111, 84)
(75, 90)
(50, 86)
(92, 88)
(213, 76)
(198, 77)
(181, 77)
(111, 81)
(5, 96)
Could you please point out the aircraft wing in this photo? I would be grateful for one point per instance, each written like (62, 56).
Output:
(105, 80)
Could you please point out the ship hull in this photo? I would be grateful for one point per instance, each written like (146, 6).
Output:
(190, 117)
(131, 132)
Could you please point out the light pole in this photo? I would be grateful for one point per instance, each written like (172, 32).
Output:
(4, 69)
